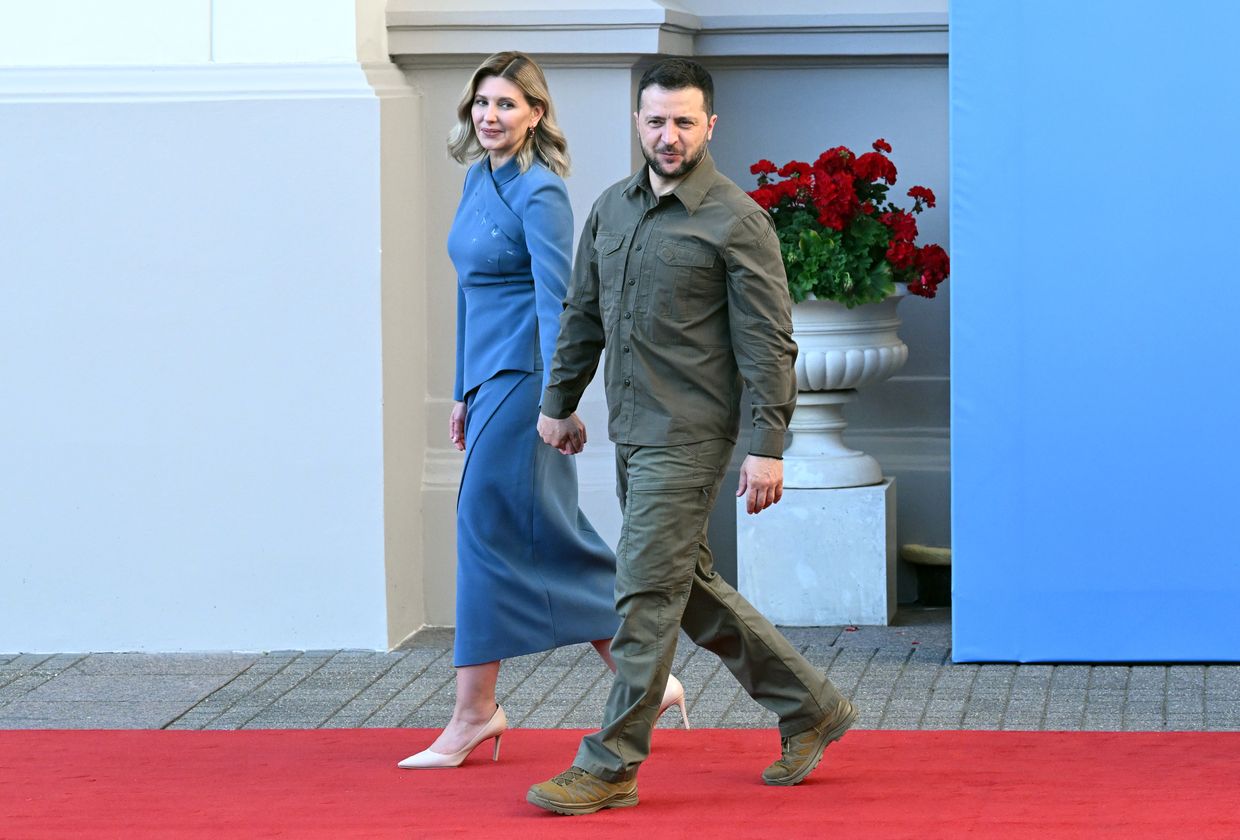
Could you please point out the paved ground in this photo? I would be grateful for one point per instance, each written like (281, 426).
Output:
(900, 677)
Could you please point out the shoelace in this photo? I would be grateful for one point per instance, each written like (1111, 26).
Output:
(569, 775)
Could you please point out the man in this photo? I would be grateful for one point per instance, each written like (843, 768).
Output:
(678, 273)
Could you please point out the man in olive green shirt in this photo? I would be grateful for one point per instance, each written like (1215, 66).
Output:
(678, 274)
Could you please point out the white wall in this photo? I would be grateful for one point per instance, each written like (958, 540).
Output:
(189, 330)
(157, 32)
(116, 32)
(192, 353)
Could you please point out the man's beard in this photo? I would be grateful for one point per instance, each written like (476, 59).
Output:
(686, 163)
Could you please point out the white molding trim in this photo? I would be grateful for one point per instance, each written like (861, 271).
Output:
(907, 34)
(442, 469)
(417, 36)
(184, 83)
(595, 469)
(388, 81)
(905, 449)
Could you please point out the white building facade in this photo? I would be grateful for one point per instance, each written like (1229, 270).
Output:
(226, 308)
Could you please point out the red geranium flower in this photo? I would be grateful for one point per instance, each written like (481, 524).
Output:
(873, 166)
(934, 263)
(795, 167)
(903, 226)
(922, 194)
(901, 253)
(762, 167)
(834, 160)
(881, 145)
(764, 196)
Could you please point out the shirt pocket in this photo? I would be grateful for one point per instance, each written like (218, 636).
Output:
(610, 253)
(689, 279)
(693, 296)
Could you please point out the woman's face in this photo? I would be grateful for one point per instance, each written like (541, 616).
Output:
(502, 118)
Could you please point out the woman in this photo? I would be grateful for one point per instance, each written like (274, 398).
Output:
(532, 574)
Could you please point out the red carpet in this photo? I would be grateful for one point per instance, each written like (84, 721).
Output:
(699, 784)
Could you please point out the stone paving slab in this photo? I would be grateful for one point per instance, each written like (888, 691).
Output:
(90, 714)
(900, 677)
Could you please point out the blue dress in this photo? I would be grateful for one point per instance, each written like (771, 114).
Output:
(532, 573)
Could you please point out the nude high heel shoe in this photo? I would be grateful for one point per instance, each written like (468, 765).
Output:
(674, 695)
(427, 760)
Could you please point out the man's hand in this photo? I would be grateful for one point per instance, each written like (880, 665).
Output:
(567, 435)
(763, 480)
(456, 426)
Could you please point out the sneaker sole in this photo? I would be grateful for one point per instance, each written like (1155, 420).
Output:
(620, 800)
(828, 738)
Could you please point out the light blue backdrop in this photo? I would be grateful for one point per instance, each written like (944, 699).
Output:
(1095, 208)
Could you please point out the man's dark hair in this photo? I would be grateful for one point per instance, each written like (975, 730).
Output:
(678, 74)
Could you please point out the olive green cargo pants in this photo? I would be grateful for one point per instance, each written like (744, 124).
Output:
(665, 581)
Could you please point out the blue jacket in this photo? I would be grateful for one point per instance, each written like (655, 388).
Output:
(511, 243)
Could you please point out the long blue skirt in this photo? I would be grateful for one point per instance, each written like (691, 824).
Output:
(532, 573)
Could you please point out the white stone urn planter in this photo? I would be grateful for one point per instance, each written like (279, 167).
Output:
(840, 350)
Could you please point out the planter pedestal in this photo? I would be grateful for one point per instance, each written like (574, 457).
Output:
(821, 557)
(818, 456)
(826, 554)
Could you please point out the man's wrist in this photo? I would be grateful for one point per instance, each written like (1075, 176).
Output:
(767, 443)
(557, 406)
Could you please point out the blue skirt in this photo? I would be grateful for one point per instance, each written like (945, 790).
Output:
(531, 573)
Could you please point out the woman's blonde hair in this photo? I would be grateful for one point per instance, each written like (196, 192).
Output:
(547, 144)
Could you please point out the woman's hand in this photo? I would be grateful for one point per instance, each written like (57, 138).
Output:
(456, 426)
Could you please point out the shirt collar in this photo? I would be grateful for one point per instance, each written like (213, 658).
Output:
(691, 190)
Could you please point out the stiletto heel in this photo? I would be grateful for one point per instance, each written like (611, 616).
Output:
(674, 695)
(428, 759)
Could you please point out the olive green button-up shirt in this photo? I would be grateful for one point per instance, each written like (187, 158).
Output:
(688, 294)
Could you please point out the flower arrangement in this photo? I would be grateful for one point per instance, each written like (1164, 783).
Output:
(840, 236)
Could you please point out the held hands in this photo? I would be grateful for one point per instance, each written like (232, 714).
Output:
(456, 426)
(763, 480)
(567, 435)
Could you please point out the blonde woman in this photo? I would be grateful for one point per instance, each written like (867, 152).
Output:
(532, 573)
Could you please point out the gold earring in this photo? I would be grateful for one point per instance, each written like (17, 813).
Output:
(530, 133)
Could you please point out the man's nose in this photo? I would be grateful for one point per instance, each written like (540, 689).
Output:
(670, 134)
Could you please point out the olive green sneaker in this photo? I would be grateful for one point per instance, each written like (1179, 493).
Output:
(576, 791)
(803, 751)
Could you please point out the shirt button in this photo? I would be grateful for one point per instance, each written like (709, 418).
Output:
(631, 282)
(626, 348)
(628, 315)
(639, 247)
(628, 382)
